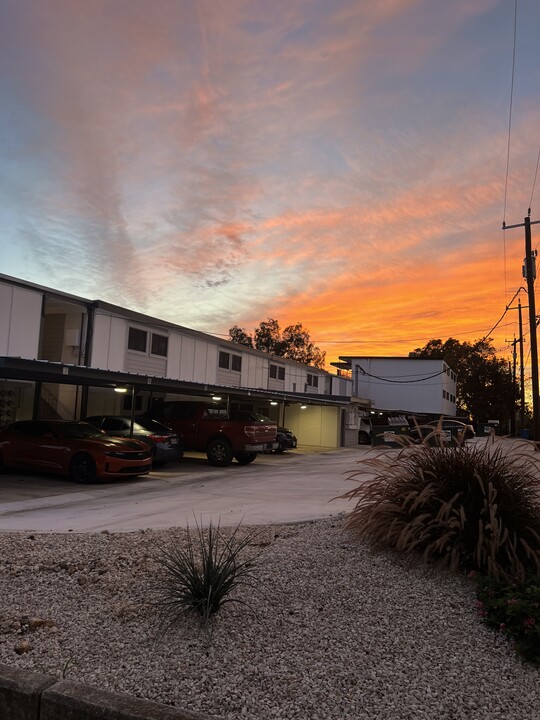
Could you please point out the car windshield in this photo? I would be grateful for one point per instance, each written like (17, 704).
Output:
(76, 430)
(250, 416)
(146, 424)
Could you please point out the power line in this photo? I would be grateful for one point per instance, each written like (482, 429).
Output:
(377, 377)
(504, 313)
(534, 181)
(510, 121)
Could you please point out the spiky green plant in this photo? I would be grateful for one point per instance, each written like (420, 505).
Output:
(471, 507)
(201, 571)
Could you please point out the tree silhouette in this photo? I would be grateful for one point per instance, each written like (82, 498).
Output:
(485, 385)
(294, 343)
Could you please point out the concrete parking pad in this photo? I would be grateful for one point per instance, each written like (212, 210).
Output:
(292, 487)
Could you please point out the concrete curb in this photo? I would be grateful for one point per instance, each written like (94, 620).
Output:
(25, 695)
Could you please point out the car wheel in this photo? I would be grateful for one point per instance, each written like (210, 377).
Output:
(363, 438)
(245, 458)
(219, 452)
(82, 469)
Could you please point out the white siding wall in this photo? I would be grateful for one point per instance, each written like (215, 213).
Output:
(20, 322)
(424, 396)
(99, 355)
(200, 372)
(254, 371)
(109, 343)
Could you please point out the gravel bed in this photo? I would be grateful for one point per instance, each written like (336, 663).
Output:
(333, 632)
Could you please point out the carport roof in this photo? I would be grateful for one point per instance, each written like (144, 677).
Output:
(56, 372)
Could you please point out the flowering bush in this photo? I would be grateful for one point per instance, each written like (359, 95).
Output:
(513, 609)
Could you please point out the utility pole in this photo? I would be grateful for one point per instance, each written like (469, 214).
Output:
(513, 342)
(530, 274)
(521, 372)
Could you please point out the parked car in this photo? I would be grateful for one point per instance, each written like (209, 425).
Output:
(450, 429)
(165, 443)
(72, 448)
(286, 439)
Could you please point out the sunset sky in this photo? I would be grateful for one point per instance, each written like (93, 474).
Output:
(339, 163)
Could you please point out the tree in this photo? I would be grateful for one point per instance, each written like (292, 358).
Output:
(485, 385)
(294, 343)
(299, 346)
(268, 337)
(240, 336)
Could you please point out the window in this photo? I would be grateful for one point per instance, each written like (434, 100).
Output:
(230, 362)
(218, 413)
(236, 363)
(313, 380)
(160, 344)
(112, 424)
(137, 339)
(277, 371)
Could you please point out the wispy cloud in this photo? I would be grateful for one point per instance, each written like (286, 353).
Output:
(337, 164)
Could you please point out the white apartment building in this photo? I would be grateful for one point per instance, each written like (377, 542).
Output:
(63, 355)
(406, 385)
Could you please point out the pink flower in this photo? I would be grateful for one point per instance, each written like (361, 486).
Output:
(502, 626)
(529, 622)
(512, 601)
(472, 574)
(479, 604)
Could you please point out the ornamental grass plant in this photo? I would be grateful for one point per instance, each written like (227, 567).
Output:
(201, 571)
(472, 507)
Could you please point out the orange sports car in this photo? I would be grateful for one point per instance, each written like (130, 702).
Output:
(72, 448)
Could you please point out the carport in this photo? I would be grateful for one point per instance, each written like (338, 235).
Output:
(37, 389)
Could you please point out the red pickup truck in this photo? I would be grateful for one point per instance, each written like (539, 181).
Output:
(210, 429)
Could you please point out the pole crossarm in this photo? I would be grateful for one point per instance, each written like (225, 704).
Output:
(509, 227)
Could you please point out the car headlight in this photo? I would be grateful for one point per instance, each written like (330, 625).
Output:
(127, 455)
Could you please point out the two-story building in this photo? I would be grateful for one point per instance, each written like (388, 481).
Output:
(405, 385)
(64, 356)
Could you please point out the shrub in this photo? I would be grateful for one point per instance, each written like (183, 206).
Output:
(201, 571)
(513, 609)
(471, 507)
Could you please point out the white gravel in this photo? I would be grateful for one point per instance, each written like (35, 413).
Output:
(339, 632)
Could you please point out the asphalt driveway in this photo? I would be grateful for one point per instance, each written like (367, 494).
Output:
(292, 487)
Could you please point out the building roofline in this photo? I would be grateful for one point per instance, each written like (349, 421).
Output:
(144, 319)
